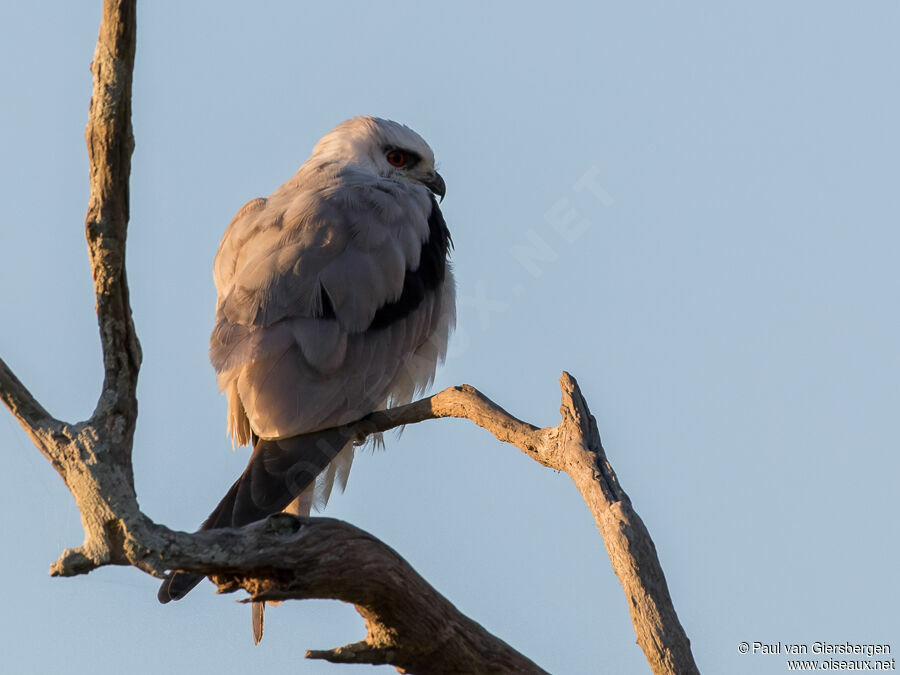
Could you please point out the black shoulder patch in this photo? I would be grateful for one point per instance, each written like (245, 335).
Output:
(327, 311)
(427, 277)
(416, 283)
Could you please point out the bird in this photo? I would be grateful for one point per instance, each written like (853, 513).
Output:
(336, 298)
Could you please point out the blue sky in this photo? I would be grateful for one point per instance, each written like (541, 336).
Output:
(726, 295)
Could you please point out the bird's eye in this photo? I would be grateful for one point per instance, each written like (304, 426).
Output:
(397, 158)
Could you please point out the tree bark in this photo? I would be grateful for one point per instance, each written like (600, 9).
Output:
(409, 624)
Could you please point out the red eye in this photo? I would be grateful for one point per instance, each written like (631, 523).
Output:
(396, 158)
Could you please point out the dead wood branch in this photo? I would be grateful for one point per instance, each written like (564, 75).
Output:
(409, 624)
(574, 447)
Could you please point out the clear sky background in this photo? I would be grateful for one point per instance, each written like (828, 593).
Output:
(728, 303)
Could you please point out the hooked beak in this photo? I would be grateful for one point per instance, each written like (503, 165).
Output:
(436, 184)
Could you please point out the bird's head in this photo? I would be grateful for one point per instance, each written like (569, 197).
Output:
(386, 148)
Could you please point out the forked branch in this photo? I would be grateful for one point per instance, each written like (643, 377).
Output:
(409, 624)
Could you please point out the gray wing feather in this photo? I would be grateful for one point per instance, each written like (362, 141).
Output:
(276, 254)
(285, 367)
(285, 394)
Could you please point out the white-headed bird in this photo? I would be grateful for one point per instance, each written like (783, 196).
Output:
(335, 299)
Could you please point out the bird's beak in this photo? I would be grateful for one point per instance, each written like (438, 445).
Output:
(436, 184)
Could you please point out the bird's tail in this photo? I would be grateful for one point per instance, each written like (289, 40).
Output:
(278, 471)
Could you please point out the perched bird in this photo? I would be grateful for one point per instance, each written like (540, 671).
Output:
(335, 299)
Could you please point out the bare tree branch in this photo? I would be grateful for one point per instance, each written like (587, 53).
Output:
(409, 624)
(40, 425)
(574, 447)
(110, 144)
(23, 406)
